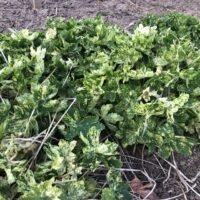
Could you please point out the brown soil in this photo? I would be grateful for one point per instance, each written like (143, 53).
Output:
(18, 14)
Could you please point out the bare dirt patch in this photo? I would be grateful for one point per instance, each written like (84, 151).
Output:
(19, 14)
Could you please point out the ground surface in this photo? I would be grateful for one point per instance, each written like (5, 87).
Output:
(17, 14)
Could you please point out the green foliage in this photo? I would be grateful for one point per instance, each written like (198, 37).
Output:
(44, 190)
(177, 24)
(63, 159)
(62, 89)
(96, 152)
(117, 189)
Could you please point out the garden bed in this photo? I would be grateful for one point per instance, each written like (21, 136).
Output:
(15, 15)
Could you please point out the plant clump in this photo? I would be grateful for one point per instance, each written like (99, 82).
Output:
(64, 88)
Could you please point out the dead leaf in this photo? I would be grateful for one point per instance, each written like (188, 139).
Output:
(143, 190)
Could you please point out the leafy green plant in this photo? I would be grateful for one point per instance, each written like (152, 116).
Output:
(63, 88)
(179, 24)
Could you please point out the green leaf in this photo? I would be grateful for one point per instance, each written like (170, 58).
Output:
(76, 191)
(96, 152)
(81, 126)
(63, 159)
(160, 62)
(105, 109)
(43, 190)
(108, 194)
(10, 176)
(113, 118)
(117, 189)
(38, 55)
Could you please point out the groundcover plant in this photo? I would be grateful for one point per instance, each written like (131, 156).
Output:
(68, 92)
